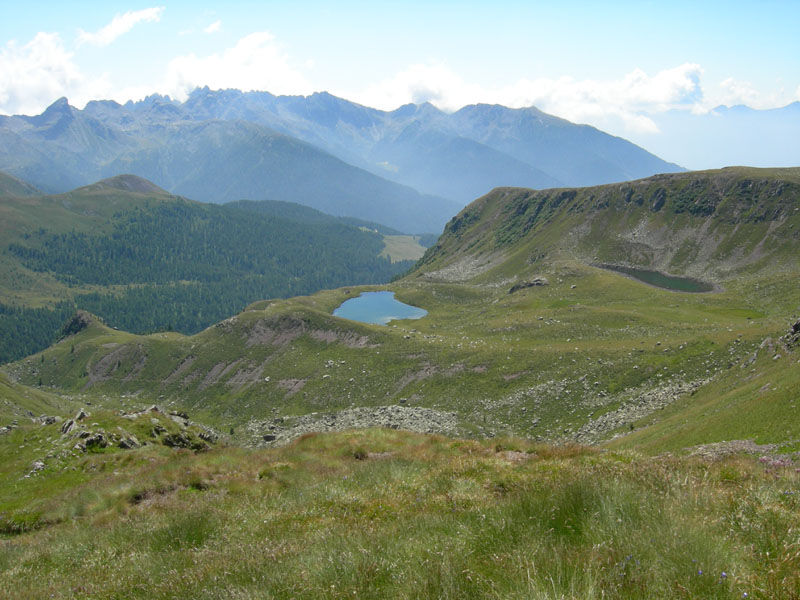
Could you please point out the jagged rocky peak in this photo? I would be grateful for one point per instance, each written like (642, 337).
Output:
(58, 110)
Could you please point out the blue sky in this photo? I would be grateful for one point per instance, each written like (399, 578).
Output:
(615, 65)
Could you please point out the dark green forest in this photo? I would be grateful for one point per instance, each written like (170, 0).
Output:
(182, 266)
(306, 214)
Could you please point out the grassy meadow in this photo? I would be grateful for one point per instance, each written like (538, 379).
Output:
(388, 514)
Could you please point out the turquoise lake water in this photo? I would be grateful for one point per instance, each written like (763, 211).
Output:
(669, 282)
(378, 308)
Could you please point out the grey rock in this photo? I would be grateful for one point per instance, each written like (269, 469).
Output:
(96, 440)
(283, 430)
(208, 436)
(129, 443)
(535, 282)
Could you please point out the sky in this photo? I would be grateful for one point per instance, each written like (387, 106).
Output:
(617, 65)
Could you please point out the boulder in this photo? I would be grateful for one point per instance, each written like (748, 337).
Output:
(535, 282)
(129, 443)
(96, 440)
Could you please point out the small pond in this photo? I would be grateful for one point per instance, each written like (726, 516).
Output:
(378, 308)
(669, 282)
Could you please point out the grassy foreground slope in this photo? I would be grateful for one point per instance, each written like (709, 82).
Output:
(385, 514)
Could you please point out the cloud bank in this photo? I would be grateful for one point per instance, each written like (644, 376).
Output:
(32, 76)
(630, 98)
(214, 27)
(256, 62)
(120, 25)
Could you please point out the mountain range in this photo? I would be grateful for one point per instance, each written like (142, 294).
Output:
(411, 169)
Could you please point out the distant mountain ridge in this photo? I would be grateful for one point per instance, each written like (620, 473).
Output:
(12, 186)
(207, 160)
(411, 169)
(490, 143)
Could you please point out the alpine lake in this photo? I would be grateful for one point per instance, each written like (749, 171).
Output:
(669, 282)
(378, 308)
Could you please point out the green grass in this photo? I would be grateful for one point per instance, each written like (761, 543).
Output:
(402, 247)
(420, 516)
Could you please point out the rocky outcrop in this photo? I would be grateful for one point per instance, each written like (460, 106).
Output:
(535, 282)
(636, 408)
(792, 338)
(77, 323)
(281, 430)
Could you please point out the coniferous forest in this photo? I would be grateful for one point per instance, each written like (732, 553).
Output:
(183, 265)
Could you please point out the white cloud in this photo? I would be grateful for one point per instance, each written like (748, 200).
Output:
(630, 98)
(120, 24)
(733, 92)
(256, 62)
(434, 83)
(738, 92)
(214, 27)
(32, 76)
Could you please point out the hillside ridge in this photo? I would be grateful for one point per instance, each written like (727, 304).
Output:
(714, 224)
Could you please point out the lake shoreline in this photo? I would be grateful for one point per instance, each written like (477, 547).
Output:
(651, 277)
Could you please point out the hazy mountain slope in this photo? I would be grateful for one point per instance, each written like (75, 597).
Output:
(575, 154)
(211, 160)
(12, 186)
(50, 169)
(424, 147)
(448, 165)
(217, 161)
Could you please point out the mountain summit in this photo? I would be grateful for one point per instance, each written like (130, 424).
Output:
(412, 168)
